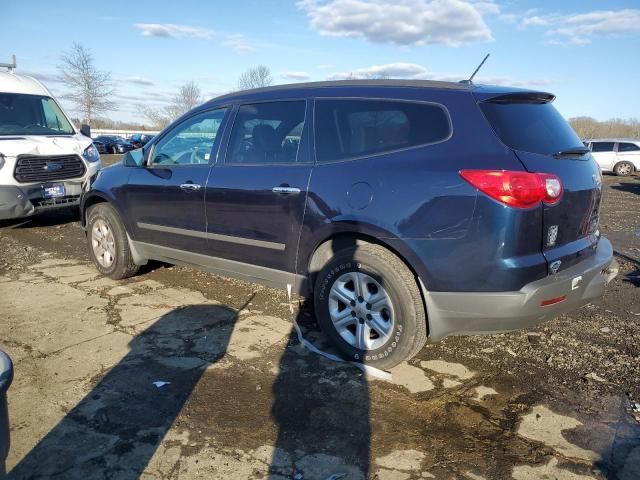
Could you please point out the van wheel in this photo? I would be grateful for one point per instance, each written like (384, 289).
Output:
(368, 303)
(108, 243)
(623, 169)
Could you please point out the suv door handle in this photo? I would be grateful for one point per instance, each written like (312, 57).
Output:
(190, 187)
(283, 190)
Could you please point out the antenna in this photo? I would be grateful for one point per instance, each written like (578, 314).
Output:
(9, 66)
(470, 80)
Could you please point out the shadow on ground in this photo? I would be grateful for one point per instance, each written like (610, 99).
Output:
(115, 430)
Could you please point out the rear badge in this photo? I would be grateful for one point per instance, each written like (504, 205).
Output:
(552, 235)
(555, 266)
(575, 283)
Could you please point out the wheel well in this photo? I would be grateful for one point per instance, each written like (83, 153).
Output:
(329, 247)
(93, 200)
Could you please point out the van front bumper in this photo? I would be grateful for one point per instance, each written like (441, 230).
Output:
(27, 200)
(462, 313)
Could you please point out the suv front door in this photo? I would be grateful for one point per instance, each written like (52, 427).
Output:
(255, 199)
(165, 198)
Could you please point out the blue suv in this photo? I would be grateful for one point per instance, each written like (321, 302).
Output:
(407, 209)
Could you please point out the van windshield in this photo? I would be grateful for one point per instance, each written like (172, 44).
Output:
(22, 114)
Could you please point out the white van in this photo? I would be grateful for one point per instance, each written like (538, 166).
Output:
(44, 159)
(618, 155)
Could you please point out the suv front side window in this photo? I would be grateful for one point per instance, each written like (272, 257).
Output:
(267, 133)
(602, 147)
(189, 143)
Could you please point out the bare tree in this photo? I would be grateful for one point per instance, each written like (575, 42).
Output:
(255, 77)
(188, 96)
(90, 89)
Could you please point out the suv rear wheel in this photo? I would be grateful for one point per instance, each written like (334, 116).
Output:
(368, 303)
(108, 243)
(623, 169)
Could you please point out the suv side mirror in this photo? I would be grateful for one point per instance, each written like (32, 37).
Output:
(85, 130)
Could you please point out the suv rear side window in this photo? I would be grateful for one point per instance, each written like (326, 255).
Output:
(628, 147)
(602, 147)
(531, 126)
(266, 133)
(356, 128)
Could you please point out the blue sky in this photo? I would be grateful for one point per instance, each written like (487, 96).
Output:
(586, 52)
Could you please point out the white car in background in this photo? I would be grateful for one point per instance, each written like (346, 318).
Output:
(618, 155)
(44, 159)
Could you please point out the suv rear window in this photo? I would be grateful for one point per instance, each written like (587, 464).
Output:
(356, 128)
(628, 147)
(531, 126)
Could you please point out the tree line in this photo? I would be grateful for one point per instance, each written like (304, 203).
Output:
(587, 128)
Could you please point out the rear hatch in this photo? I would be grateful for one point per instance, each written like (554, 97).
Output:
(543, 141)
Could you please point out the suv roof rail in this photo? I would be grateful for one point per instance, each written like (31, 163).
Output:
(10, 66)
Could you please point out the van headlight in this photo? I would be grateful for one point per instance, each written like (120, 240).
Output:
(91, 154)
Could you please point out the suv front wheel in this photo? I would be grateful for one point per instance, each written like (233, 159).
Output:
(108, 243)
(368, 303)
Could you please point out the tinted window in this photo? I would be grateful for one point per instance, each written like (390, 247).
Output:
(628, 147)
(190, 142)
(602, 147)
(355, 128)
(267, 133)
(532, 127)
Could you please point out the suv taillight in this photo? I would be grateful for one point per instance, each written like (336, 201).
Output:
(516, 189)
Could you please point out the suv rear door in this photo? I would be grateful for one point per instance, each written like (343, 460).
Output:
(604, 154)
(544, 142)
(255, 199)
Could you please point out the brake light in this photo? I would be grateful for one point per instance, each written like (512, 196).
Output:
(516, 189)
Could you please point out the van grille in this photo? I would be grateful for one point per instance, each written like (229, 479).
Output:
(36, 168)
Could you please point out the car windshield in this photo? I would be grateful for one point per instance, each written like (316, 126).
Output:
(22, 114)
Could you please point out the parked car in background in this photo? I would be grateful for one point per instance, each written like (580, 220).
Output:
(44, 159)
(406, 208)
(6, 377)
(140, 140)
(618, 155)
(114, 144)
(100, 146)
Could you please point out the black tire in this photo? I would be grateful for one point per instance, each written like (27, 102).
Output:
(623, 169)
(410, 327)
(122, 266)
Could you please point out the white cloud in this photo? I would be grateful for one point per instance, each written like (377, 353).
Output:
(389, 70)
(170, 30)
(238, 43)
(413, 71)
(138, 80)
(43, 76)
(296, 76)
(403, 22)
(582, 28)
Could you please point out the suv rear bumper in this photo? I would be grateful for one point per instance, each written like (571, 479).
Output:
(23, 201)
(461, 313)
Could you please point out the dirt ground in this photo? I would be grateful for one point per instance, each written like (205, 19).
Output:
(244, 399)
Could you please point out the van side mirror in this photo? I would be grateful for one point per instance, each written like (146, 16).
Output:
(85, 130)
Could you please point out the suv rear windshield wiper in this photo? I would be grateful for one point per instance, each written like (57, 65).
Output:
(571, 152)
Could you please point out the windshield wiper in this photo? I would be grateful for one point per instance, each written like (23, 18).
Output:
(571, 152)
